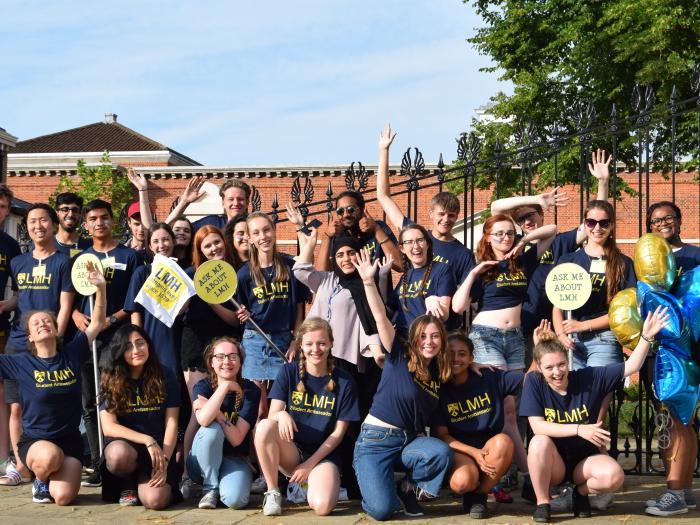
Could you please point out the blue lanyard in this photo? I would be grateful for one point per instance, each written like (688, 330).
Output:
(335, 292)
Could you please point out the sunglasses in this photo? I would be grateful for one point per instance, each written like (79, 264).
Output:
(668, 219)
(591, 223)
(527, 217)
(349, 209)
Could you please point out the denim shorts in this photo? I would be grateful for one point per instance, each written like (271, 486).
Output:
(261, 362)
(501, 347)
(596, 348)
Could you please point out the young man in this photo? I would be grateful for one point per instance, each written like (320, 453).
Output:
(444, 211)
(9, 249)
(69, 208)
(118, 263)
(235, 196)
(42, 280)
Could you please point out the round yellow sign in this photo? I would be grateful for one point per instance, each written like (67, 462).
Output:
(568, 286)
(215, 282)
(79, 273)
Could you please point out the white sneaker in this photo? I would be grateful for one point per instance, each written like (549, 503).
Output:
(272, 504)
(259, 486)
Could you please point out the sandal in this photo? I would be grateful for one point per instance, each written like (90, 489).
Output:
(12, 479)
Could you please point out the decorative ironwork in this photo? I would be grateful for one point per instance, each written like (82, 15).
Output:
(255, 200)
(275, 216)
(441, 171)
(412, 168)
(356, 180)
(329, 198)
(303, 205)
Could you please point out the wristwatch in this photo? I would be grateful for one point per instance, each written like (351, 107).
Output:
(113, 320)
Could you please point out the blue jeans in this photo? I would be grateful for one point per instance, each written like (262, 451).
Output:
(379, 451)
(596, 348)
(501, 347)
(261, 361)
(208, 466)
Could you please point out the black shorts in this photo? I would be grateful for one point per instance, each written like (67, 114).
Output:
(71, 445)
(113, 485)
(10, 385)
(573, 455)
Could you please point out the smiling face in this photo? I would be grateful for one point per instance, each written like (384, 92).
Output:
(137, 351)
(234, 202)
(414, 245)
(430, 342)
(316, 345)
(161, 243)
(183, 233)
(137, 229)
(555, 369)
(69, 216)
(262, 234)
(351, 212)
(226, 361)
(597, 232)
(665, 223)
(41, 327)
(99, 224)
(502, 237)
(443, 221)
(344, 258)
(528, 218)
(213, 247)
(241, 241)
(462, 358)
(39, 226)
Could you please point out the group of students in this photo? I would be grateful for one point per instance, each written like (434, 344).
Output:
(375, 379)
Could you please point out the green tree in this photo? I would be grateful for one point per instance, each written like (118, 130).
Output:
(568, 57)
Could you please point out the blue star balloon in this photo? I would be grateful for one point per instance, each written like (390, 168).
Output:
(688, 294)
(674, 336)
(672, 385)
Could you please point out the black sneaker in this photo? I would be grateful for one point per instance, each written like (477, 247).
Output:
(411, 507)
(93, 480)
(580, 504)
(528, 492)
(478, 510)
(542, 514)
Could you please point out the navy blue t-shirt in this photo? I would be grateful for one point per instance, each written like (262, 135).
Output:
(9, 249)
(203, 320)
(316, 410)
(537, 306)
(585, 392)
(123, 262)
(453, 253)
(73, 249)
(147, 416)
(40, 291)
(441, 283)
(508, 288)
(165, 340)
(215, 220)
(473, 411)
(402, 399)
(248, 411)
(687, 258)
(272, 306)
(597, 304)
(49, 389)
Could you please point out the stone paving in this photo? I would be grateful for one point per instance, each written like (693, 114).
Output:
(16, 507)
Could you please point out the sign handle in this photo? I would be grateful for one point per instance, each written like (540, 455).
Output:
(263, 334)
(97, 382)
(569, 316)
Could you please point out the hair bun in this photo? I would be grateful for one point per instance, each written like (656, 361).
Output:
(547, 336)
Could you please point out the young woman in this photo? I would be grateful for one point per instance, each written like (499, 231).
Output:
(270, 295)
(470, 421)
(588, 332)
(49, 383)
(226, 407)
(236, 235)
(498, 285)
(182, 228)
(563, 409)
(312, 404)
(160, 239)
(408, 394)
(664, 219)
(139, 411)
(426, 286)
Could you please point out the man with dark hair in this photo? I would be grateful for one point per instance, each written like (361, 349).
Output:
(118, 263)
(9, 249)
(235, 197)
(69, 208)
(42, 279)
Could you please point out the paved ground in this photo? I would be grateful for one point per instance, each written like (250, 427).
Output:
(16, 508)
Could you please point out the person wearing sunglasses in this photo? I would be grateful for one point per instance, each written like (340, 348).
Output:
(664, 219)
(588, 332)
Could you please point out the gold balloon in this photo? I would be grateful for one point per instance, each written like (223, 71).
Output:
(654, 262)
(625, 321)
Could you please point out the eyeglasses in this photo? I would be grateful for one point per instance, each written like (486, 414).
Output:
(527, 217)
(69, 209)
(668, 219)
(500, 235)
(350, 209)
(220, 358)
(420, 241)
(591, 223)
(139, 343)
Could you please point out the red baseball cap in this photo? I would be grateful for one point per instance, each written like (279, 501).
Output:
(134, 209)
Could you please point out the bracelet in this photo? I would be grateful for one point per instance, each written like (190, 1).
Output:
(384, 241)
(650, 341)
(577, 426)
(154, 442)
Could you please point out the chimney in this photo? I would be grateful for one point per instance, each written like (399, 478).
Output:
(110, 118)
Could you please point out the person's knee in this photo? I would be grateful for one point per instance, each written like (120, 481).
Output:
(64, 497)
(464, 480)
(540, 446)
(321, 505)
(235, 499)
(379, 510)
(155, 500)
(211, 435)
(500, 446)
(120, 458)
(46, 458)
(611, 478)
(265, 430)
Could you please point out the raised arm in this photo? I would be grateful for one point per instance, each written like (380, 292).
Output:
(333, 228)
(393, 212)
(193, 192)
(307, 245)
(98, 321)
(546, 200)
(652, 326)
(141, 184)
(600, 169)
(367, 270)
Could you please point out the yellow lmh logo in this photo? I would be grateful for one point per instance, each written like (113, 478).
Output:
(575, 415)
(470, 408)
(275, 290)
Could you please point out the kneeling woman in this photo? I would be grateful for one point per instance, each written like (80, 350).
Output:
(139, 410)
(48, 379)
(470, 420)
(393, 432)
(226, 407)
(311, 407)
(562, 407)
